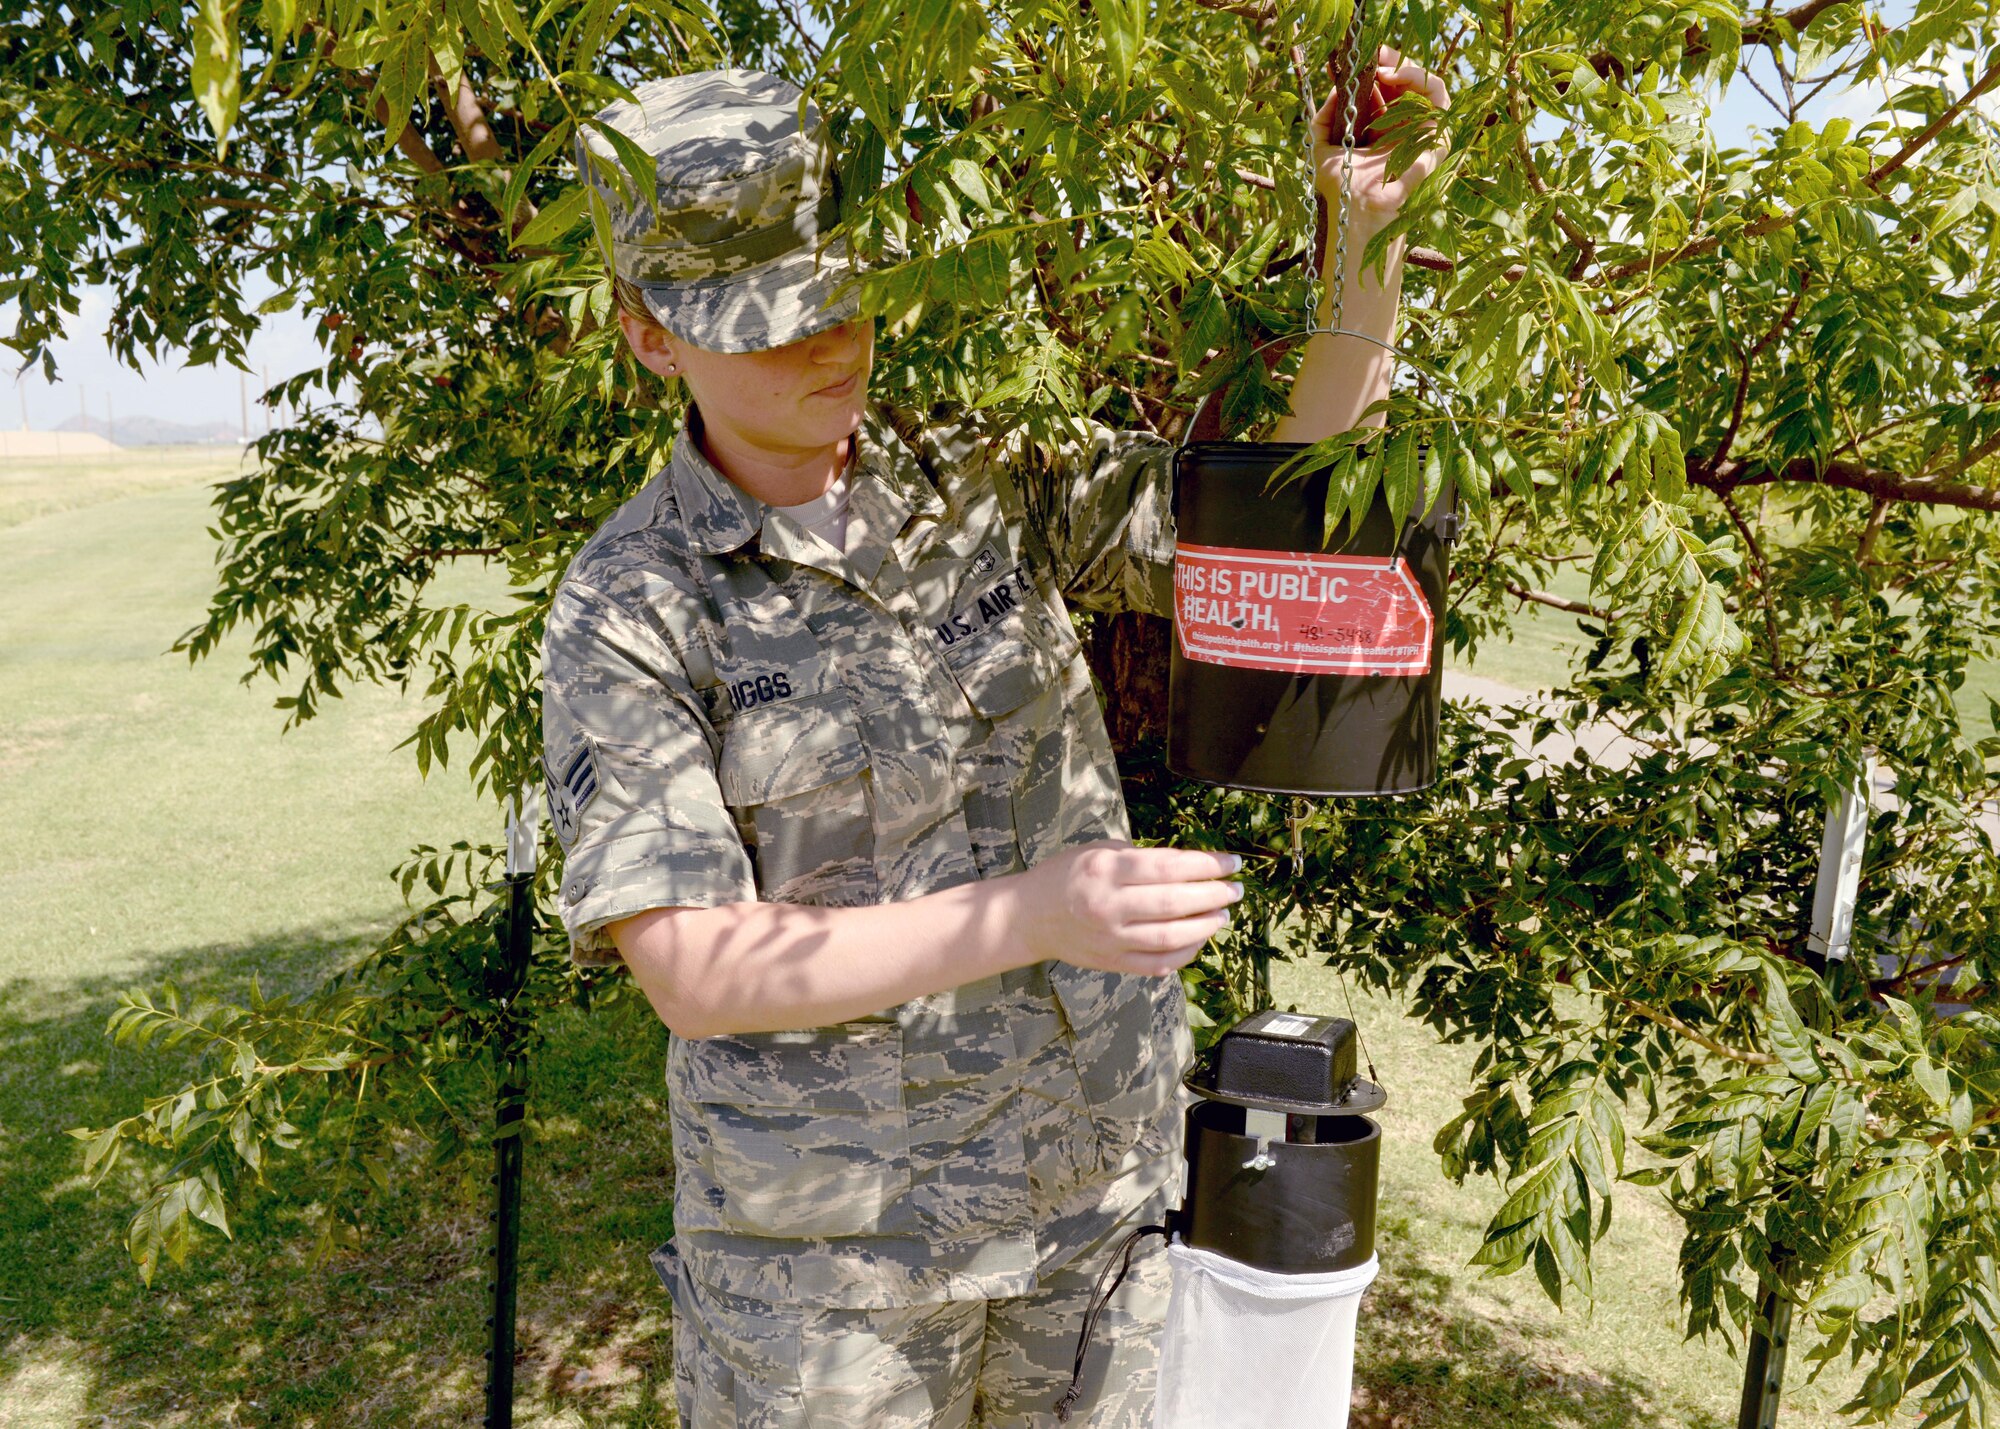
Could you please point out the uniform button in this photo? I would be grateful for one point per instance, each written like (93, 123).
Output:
(576, 890)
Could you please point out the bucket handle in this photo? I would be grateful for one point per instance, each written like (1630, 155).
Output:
(1393, 349)
(1451, 522)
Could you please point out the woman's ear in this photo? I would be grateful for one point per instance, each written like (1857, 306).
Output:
(652, 344)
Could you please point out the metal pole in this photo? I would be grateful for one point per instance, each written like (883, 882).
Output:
(1829, 938)
(1764, 1364)
(510, 1107)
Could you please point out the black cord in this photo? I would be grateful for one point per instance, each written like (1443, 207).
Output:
(1099, 1298)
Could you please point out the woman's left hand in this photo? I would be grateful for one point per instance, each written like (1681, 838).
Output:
(1376, 197)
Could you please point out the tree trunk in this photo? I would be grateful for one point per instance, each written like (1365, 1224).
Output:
(1128, 654)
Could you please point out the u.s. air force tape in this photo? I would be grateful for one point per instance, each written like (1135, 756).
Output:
(980, 613)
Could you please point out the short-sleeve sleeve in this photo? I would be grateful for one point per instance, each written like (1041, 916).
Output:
(629, 771)
(1103, 503)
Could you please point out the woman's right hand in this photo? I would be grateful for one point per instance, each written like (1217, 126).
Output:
(1119, 908)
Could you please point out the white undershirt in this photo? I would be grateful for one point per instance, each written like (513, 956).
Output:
(825, 515)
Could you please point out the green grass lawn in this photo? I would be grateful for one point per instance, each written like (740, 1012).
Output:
(154, 824)
(42, 486)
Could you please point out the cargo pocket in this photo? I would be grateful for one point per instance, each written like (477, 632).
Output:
(1132, 1045)
(795, 775)
(806, 1132)
(735, 1360)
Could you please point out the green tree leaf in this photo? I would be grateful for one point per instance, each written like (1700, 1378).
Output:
(217, 68)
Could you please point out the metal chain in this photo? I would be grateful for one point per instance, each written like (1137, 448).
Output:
(1448, 391)
(1352, 71)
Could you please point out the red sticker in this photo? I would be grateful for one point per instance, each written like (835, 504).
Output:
(1300, 612)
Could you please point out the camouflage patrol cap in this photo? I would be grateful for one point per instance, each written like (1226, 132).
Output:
(725, 246)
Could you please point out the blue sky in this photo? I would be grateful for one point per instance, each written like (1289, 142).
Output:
(89, 377)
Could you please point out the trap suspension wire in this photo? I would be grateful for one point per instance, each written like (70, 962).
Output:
(1300, 809)
(1350, 57)
(1298, 815)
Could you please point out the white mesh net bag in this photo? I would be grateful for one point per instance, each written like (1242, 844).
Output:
(1255, 1348)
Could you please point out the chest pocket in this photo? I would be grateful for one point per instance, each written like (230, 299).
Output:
(796, 776)
(1019, 655)
(803, 1133)
(1014, 774)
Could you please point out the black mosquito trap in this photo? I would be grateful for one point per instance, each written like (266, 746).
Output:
(1273, 1244)
(1282, 1159)
(1299, 667)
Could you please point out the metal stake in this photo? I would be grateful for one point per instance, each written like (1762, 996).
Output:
(1764, 1364)
(510, 1106)
(1832, 926)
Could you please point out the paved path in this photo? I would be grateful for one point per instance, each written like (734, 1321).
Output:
(1607, 746)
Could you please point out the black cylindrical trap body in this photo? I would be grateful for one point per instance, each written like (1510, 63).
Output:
(1298, 667)
(1311, 1209)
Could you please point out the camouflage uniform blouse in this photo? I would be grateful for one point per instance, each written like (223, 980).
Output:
(732, 710)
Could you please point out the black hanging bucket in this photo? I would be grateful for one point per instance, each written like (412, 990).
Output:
(1301, 668)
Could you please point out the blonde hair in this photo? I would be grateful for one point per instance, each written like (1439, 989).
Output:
(631, 299)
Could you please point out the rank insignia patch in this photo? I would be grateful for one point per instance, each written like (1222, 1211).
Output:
(570, 790)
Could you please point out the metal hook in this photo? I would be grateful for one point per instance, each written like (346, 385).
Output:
(1300, 811)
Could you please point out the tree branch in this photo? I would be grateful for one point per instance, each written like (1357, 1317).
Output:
(805, 38)
(1585, 245)
(1699, 1038)
(1761, 569)
(1877, 516)
(1930, 131)
(1978, 454)
(1748, 360)
(1770, 222)
(468, 118)
(1755, 33)
(476, 137)
(1574, 607)
(1262, 14)
(1847, 475)
(411, 143)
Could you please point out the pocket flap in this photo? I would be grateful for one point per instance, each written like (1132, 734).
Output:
(857, 1066)
(1004, 668)
(788, 748)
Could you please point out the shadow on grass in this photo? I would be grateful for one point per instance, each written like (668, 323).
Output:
(1421, 1360)
(390, 1333)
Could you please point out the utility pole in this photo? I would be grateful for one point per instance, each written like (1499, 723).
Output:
(110, 422)
(243, 392)
(1829, 939)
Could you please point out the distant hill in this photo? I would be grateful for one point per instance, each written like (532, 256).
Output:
(155, 431)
